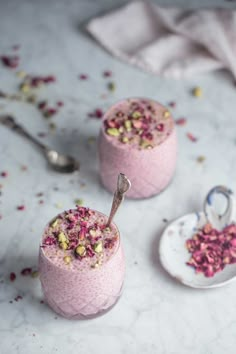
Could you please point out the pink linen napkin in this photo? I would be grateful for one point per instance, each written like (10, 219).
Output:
(167, 41)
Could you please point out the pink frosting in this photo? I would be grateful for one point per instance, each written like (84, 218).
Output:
(149, 170)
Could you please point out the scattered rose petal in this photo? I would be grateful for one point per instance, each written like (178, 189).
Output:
(83, 77)
(172, 104)
(4, 174)
(12, 276)
(107, 73)
(191, 137)
(26, 271)
(21, 207)
(60, 104)
(181, 121)
(10, 61)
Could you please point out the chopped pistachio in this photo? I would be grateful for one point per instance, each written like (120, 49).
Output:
(67, 259)
(63, 245)
(113, 132)
(98, 247)
(62, 237)
(25, 88)
(79, 201)
(136, 114)
(35, 274)
(197, 92)
(80, 250)
(201, 159)
(125, 140)
(128, 125)
(21, 74)
(166, 114)
(54, 223)
(111, 86)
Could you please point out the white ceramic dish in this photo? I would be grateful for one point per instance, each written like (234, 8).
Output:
(174, 254)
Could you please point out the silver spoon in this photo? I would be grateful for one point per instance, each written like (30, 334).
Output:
(59, 162)
(123, 185)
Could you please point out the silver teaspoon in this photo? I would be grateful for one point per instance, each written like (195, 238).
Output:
(123, 185)
(59, 162)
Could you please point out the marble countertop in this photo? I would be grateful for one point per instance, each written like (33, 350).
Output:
(155, 314)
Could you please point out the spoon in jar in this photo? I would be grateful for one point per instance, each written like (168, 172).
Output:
(123, 185)
(58, 162)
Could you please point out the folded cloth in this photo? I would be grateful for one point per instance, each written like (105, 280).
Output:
(168, 41)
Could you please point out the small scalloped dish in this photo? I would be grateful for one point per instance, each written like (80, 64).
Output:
(174, 254)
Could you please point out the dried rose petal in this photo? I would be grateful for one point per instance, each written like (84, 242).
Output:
(83, 77)
(107, 73)
(181, 121)
(21, 207)
(4, 174)
(12, 276)
(26, 271)
(191, 137)
(212, 249)
(10, 61)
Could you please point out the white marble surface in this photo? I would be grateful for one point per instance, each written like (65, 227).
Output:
(155, 313)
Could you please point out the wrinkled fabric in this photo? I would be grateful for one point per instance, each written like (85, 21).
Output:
(168, 41)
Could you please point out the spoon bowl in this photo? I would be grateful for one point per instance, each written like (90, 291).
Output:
(61, 163)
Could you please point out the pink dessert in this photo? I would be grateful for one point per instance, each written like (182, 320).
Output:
(81, 264)
(138, 138)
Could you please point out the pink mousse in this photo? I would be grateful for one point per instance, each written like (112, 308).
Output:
(81, 263)
(138, 138)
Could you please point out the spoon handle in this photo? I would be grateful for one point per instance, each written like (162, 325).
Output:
(123, 185)
(220, 221)
(10, 122)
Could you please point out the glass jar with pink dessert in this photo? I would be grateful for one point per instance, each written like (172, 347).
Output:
(138, 136)
(81, 262)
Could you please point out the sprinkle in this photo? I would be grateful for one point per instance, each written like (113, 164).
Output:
(201, 158)
(136, 114)
(98, 247)
(111, 86)
(58, 205)
(25, 88)
(181, 121)
(12, 276)
(128, 125)
(197, 92)
(21, 74)
(10, 61)
(107, 73)
(42, 104)
(60, 103)
(98, 113)
(125, 139)
(62, 237)
(52, 126)
(4, 174)
(113, 132)
(26, 271)
(79, 201)
(67, 259)
(21, 207)
(83, 77)
(160, 127)
(191, 137)
(91, 139)
(80, 250)
(35, 274)
(42, 134)
(172, 104)
(166, 114)
(63, 245)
